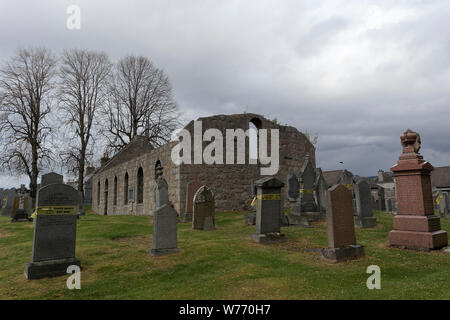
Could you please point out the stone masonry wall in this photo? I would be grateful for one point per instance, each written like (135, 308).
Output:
(231, 184)
(147, 161)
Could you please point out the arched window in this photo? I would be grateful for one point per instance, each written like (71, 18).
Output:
(105, 211)
(115, 192)
(98, 193)
(125, 189)
(158, 169)
(140, 185)
(253, 127)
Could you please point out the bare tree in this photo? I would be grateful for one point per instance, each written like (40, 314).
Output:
(141, 102)
(26, 86)
(84, 81)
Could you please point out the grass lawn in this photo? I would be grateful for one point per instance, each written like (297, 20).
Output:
(221, 264)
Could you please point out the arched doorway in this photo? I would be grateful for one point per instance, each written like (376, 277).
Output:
(253, 127)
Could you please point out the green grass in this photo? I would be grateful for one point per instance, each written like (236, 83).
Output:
(221, 264)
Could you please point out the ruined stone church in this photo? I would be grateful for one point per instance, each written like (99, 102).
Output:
(125, 183)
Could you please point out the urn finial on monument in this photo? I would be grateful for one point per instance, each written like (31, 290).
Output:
(410, 141)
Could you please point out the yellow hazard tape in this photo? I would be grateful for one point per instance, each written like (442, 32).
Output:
(306, 191)
(275, 196)
(54, 210)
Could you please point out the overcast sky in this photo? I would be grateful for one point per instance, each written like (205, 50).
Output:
(357, 73)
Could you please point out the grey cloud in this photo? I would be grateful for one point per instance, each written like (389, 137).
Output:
(356, 79)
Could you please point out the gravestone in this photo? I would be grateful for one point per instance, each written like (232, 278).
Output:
(444, 205)
(8, 201)
(321, 188)
(268, 210)
(308, 205)
(80, 204)
(164, 222)
(21, 209)
(55, 225)
(364, 215)
(340, 226)
(388, 205)
(204, 207)
(191, 189)
(381, 199)
(346, 179)
(415, 225)
(250, 219)
(51, 178)
(293, 187)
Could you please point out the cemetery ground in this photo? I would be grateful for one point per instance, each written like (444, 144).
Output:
(221, 264)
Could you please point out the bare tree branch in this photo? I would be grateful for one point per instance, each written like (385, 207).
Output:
(83, 90)
(141, 102)
(26, 88)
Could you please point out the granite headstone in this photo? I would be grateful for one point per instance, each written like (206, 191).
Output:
(204, 208)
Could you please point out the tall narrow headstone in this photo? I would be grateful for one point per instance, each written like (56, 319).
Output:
(364, 215)
(444, 205)
(340, 226)
(8, 202)
(55, 226)
(268, 210)
(308, 205)
(415, 225)
(204, 208)
(164, 239)
(381, 199)
(321, 188)
(293, 187)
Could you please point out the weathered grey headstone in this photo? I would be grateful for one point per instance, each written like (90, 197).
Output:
(191, 189)
(204, 208)
(21, 210)
(54, 236)
(268, 210)
(364, 215)
(51, 178)
(80, 204)
(161, 193)
(346, 179)
(340, 226)
(8, 201)
(306, 206)
(164, 222)
(388, 205)
(250, 219)
(381, 199)
(321, 188)
(444, 205)
(293, 187)
(308, 203)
